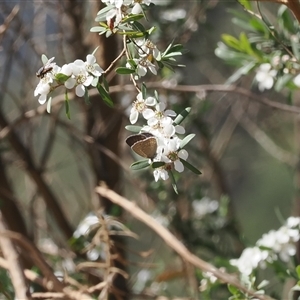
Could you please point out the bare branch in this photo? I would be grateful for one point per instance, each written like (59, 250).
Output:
(14, 267)
(172, 241)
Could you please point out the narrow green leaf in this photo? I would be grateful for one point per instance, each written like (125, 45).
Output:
(298, 271)
(246, 4)
(182, 116)
(157, 164)
(133, 128)
(49, 105)
(61, 78)
(186, 140)
(67, 105)
(232, 289)
(105, 96)
(191, 167)
(141, 164)
(244, 70)
(173, 182)
(144, 90)
(98, 29)
(138, 26)
(131, 18)
(123, 70)
(105, 83)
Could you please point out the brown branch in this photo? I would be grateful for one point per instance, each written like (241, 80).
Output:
(37, 177)
(172, 241)
(14, 265)
(36, 258)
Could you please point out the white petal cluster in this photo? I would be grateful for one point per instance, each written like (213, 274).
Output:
(272, 246)
(85, 225)
(204, 206)
(160, 123)
(147, 53)
(79, 75)
(265, 76)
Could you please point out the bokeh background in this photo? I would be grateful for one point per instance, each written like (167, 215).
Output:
(50, 165)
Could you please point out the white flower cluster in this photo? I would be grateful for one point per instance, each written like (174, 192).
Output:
(272, 246)
(79, 74)
(160, 124)
(120, 8)
(265, 76)
(204, 206)
(147, 51)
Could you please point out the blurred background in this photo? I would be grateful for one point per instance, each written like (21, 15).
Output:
(50, 165)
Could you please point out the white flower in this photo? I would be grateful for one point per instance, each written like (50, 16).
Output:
(140, 106)
(146, 47)
(293, 222)
(137, 8)
(143, 64)
(85, 225)
(92, 67)
(170, 153)
(250, 259)
(43, 89)
(81, 78)
(204, 206)
(160, 173)
(159, 117)
(265, 76)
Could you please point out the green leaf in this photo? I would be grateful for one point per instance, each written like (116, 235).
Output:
(67, 105)
(98, 29)
(232, 289)
(182, 115)
(157, 164)
(298, 271)
(139, 27)
(186, 140)
(104, 95)
(61, 78)
(144, 90)
(133, 128)
(86, 96)
(244, 70)
(282, 82)
(191, 167)
(141, 164)
(131, 18)
(285, 19)
(105, 83)
(173, 182)
(231, 41)
(49, 105)
(246, 4)
(124, 70)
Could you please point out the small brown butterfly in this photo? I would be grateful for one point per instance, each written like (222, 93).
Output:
(143, 144)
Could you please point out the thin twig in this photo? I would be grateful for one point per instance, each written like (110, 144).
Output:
(14, 267)
(173, 242)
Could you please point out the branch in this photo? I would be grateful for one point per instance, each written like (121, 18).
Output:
(173, 242)
(14, 268)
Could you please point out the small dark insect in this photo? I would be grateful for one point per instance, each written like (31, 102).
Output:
(46, 68)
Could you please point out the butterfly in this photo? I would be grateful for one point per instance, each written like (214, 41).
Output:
(143, 144)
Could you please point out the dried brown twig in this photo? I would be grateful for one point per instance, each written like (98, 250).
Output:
(173, 242)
